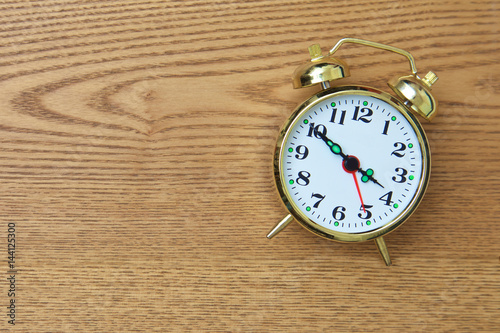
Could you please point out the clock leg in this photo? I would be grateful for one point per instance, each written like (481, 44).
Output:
(382, 248)
(280, 226)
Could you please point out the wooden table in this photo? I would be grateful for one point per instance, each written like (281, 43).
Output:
(136, 169)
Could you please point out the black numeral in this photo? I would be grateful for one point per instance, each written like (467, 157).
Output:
(368, 213)
(386, 198)
(315, 129)
(320, 197)
(400, 147)
(400, 172)
(386, 127)
(338, 213)
(303, 178)
(302, 152)
(364, 118)
(342, 116)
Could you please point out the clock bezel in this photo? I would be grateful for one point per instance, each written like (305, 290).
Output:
(309, 224)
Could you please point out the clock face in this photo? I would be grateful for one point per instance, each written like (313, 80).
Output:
(351, 163)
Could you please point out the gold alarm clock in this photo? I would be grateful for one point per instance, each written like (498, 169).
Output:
(352, 163)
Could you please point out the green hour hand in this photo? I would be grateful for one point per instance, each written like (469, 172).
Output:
(368, 175)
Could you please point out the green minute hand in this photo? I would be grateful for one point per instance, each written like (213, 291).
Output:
(350, 162)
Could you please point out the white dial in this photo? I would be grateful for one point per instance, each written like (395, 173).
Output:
(351, 162)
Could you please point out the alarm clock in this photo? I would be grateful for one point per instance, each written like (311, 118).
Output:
(352, 163)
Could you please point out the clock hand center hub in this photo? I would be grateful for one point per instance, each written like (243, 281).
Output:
(350, 164)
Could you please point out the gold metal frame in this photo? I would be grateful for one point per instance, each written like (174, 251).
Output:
(377, 46)
(293, 208)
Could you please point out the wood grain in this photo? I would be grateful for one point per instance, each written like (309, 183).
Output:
(135, 160)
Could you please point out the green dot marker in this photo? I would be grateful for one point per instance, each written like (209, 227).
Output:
(336, 149)
(290, 150)
(412, 177)
(291, 181)
(393, 118)
(336, 224)
(333, 104)
(396, 205)
(308, 208)
(364, 179)
(410, 145)
(368, 223)
(306, 121)
(369, 172)
(329, 143)
(365, 103)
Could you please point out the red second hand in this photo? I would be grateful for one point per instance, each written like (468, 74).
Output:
(359, 192)
(353, 172)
